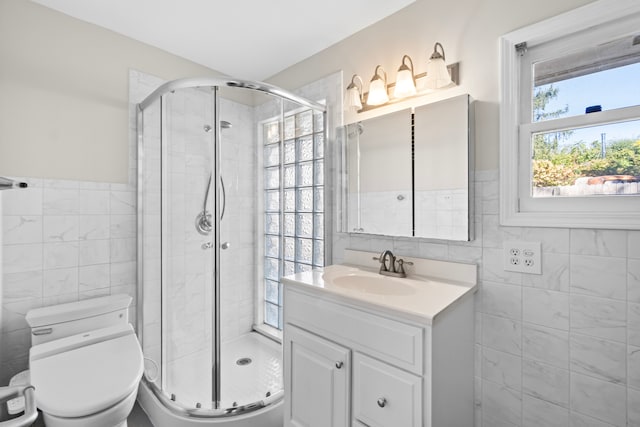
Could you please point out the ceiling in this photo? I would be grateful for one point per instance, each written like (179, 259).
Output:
(249, 39)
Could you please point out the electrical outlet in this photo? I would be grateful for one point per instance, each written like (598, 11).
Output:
(523, 257)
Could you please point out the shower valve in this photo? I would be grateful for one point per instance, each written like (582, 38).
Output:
(209, 245)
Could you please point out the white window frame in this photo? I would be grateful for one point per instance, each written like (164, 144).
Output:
(584, 26)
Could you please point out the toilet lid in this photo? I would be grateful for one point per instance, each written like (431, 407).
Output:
(86, 373)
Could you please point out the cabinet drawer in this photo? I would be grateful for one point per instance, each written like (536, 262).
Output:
(385, 396)
(396, 342)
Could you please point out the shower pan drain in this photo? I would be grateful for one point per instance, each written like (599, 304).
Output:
(243, 361)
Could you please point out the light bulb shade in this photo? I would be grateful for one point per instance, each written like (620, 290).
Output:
(353, 95)
(378, 89)
(405, 80)
(377, 93)
(404, 84)
(437, 73)
(352, 100)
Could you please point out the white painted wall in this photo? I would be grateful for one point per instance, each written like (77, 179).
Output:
(64, 85)
(468, 30)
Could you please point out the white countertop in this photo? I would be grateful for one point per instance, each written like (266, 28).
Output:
(419, 297)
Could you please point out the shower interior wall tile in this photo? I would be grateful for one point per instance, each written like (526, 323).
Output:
(190, 162)
(238, 225)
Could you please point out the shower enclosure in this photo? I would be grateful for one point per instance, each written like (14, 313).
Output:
(230, 197)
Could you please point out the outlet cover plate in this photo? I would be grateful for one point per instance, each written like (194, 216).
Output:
(522, 257)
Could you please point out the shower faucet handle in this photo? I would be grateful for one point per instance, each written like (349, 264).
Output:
(209, 245)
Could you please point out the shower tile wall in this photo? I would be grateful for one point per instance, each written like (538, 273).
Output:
(189, 267)
(557, 349)
(187, 300)
(238, 273)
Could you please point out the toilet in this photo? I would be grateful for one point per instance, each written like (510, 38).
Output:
(85, 362)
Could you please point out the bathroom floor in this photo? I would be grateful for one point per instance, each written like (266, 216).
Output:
(137, 418)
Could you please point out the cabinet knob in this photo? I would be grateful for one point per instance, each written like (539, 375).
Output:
(382, 402)
(339, 364)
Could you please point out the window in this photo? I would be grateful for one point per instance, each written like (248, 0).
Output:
(570, 120)
(294, 205)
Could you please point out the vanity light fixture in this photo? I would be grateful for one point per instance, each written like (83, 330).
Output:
(405, 80)
(378, 88)
(353, 96)
(437, 73)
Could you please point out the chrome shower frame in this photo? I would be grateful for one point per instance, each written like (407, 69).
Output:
(214, 84)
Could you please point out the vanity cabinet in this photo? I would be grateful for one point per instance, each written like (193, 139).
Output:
(351, 364)
(318, 378)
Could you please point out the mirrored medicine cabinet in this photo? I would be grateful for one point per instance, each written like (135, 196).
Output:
(409, 173)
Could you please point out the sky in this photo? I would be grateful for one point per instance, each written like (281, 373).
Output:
(603, 89)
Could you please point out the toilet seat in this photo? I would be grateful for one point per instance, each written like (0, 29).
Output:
(86, 373)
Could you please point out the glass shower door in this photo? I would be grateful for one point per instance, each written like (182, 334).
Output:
(203, 274)
(187, 257)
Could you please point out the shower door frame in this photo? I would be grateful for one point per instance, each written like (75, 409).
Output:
(156, 95)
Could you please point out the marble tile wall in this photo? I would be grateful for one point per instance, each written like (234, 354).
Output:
(559, 349)
(62, 241)
(239, 276)
(188, 266)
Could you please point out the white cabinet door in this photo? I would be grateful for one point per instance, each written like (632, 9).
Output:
(385, 396)
(316, 380)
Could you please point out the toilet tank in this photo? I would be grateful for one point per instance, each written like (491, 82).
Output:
(63, 320)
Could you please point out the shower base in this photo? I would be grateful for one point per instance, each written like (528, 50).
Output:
(242, 383)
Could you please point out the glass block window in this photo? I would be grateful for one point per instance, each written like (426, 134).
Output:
(293, 159)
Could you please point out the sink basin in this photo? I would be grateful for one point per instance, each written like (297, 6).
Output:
(373, 285)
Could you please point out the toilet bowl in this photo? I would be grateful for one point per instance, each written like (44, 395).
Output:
(88, 378)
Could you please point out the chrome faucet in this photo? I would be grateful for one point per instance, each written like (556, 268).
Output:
(388, 263)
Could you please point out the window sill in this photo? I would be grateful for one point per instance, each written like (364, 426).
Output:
(269, 332)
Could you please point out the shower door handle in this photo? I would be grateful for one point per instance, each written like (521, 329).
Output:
(225, 245)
